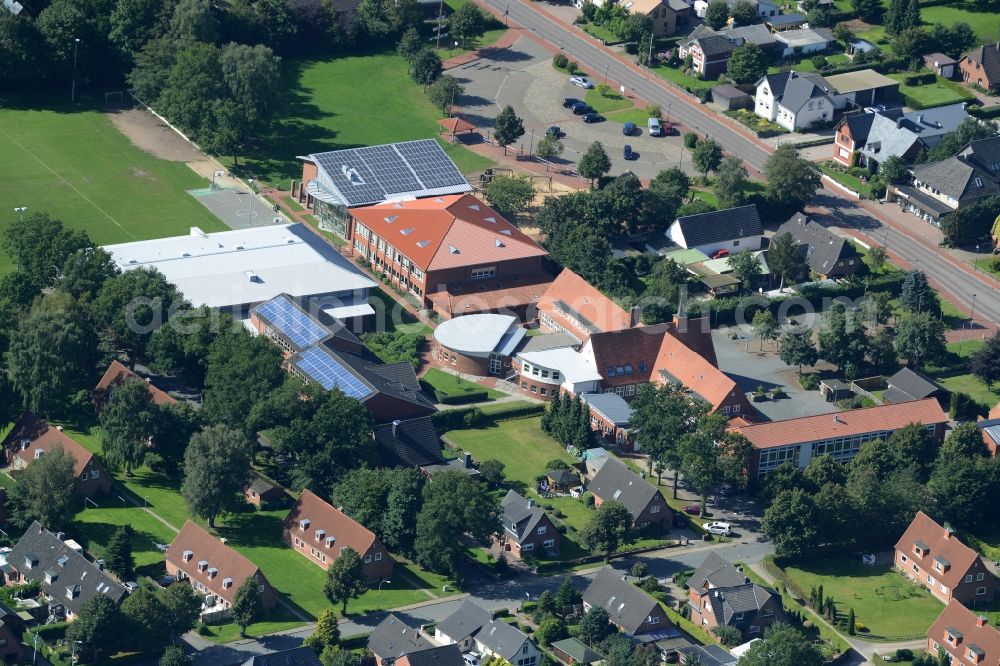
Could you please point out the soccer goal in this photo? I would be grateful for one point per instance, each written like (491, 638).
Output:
(115, 98)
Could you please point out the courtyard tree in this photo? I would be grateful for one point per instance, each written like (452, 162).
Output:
(183, 606)
(127, 424)
(985, 362)
(45, 491)
(595, 626)
(444, 92)
(594, 163)
(409, 45)
(661, 417)
(782, 646)
(426, 67)
(878, 256)
(747, 62)
(384, 501)
(216, 470)
(707, 156)
(507, 128)
(842, 338)
(791, 523)
(893, 170)
(453, 505)
(326, 634)
(345, 579)
(785, 258)
(118, 553)
(796, 347)
(130, 306)
(510, 195)
(730, 182)
(247, 604)
(608, 528)
(867, 10)
(765, 326)
(791, 180)
(145, 620)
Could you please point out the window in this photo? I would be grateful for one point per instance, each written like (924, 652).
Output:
(548, 543)
(542, 529)
(642, 366)
(652, 619)
(534, 388)
(968, 579)
(655, 508)
(754, 629)
(980, 591)
(368, 559)
(528, 546)
(545, 374)
(903, 558)
(483, 273)
(555, 375)
(980, 577)
(378, 557)
(544, 391)
(930, 580)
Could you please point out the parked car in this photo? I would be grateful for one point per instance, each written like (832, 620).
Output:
(718, 528)
(592, 118)
(628, 129)
(719, 254)
(669, 129)
(692, 509)
(653, 127)
(627, 152)
(581, 108)
(471, 658)
(555, 131)
(581, 81)
(569, 102)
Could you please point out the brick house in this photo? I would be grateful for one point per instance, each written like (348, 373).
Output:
(472, 627)
(573, 306)
(527, 529)
(677, 362)
(825, 253)
(263, 494)
(32, 438)
(719, 594)
(395, 643)
(932, 556)
(966, 637)
(850, 135)
(629, 608)
(319, 532)
(665, 15)
(118, 373)
(11, 632)
(981, 67)
(615, 481)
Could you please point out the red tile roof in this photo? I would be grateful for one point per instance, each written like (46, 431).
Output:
(490, 295)
(940, 543)
(680, 363)
(570, 295)
(335, 523)
(633, 349)
(844, 424)
(448, 232)
(118, 373)
(43, 437)
(956, 617)
(208, 548)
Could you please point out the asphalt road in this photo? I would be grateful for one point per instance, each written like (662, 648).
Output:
(955, 283)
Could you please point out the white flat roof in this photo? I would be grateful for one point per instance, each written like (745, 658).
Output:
(475, 334)
(573, 365)
(247, 266)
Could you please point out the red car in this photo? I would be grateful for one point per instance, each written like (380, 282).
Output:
(719, 254)
(693, 509)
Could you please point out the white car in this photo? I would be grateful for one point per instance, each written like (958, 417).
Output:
(471, 658)
(718, 528)
(581, 81)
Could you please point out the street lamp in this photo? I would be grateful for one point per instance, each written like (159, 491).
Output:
(384, 580)
(976, 261)
(606, 65)
(76, 47)
(20, 212)
(250, 208)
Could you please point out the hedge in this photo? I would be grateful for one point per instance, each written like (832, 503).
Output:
(460, 398)
(473, 417)
(914, 80)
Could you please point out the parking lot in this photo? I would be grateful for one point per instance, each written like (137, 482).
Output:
(523, 77)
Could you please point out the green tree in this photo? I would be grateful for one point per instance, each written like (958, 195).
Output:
(247, 604)
(132, 23)
(426, 67)
(790, 522)
(549, 146)
(384, 501)
(782, 646)
(893, 170)
(959, 486)
(595, 626)
(252, 75)
(174, 655)
(335, 656)
(216, 470)
(842, 339)
(878, 256)
(868, 10)
(916, 295)
(327, 632)
(127, 424)
(608, 529)
(445, 91)
(148, 77)
(728, 635)
(241, 371)
(985, 362)
(467, 23)
(454, 504)
(661, 417)
(98, 628)
(146, 620)
(785, 258)
(747, 63)
(566, 597)
(707, 156)
(717, 14)
(39, 246)
(183, 606)
(663, 289)
(818, 14)
(910, 43)
(796, 348)
(791, 180)
(712, 454)
(508, 128)
(118, 553)
(744, 12)
(192, 86)
(920, 338)
(822, 470)
(193, 20)
(85, 271)
(730, 182)
(966, 442)
(917, 445)
(345, 579)
(45, 491)
(130, 306)
(381, 19)
(594, 163)
(765, 325)
(510, 195)
(550, 630)
(410, 44)
(491, 471)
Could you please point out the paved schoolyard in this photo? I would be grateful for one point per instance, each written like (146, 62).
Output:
(239, 209)
(751, 368)
(522, 76)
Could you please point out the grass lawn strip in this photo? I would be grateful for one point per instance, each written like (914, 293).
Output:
(394, 316)
(452, 385)
(76, 166)
(678, 77)
(933, 94)
(613, 102)
(98, 525)
(637, 117)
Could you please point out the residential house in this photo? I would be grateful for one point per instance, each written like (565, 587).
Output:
(335, 182)
(438, 247)
(709, 54)
(990, 427)
(665, 15)
(932, 556)
(118, 373)
(794, 101)
(840, 435)
(31, 438)
(442, 655)
(803, 41)
(67, 578)
(733, 229)
(320, 532)
(472, 627)
(765, 9)
(851, 135)
(572, 306)
(300, 656)
(11, 634)
(905, 135)
(407, 443)
(941, 64)
(908, 385)
(263, 494)
(981, 67)
(573, 651)
(527, 529)
(214, 570)
(965, 636)
(829, 255)
(706, 655)
(617, 482)
(395, 643)
(629, 608)
(719, 594)
(863, 88)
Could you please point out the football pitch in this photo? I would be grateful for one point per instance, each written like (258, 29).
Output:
(77, 167)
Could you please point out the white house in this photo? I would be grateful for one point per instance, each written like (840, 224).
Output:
(474, 628)
(794, 101)
(733, 229)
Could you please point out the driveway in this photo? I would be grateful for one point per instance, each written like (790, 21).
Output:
(523, 77)
(750, 368)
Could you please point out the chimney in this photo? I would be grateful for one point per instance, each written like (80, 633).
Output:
(920, 119)
(468, 460)
(633, 316)
(395, 426)
(981, 621)
(948, 531)
(531, 503)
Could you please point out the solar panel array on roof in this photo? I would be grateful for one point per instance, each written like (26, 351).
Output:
(321, 367)
(374, 174)
(294, 324)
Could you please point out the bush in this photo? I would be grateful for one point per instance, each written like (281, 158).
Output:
(460, 398)
(920, 79)
(904, 654)
(453, 419)
(819, 61)
(690, 140)
(604, 90)
(809, 382)
(654, 111)
(572, 67)
(560, 60)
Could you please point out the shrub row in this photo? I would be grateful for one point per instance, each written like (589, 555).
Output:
(460, 398)
(919, 79)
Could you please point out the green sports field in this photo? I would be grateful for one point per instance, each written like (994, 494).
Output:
(76, 166)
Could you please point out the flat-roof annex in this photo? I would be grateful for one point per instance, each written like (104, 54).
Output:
(475, 334)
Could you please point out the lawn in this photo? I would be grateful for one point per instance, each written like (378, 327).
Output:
(279, 620)
(394, 316)
(849, 181)
(600, 32)
(805, 63)
(972, 386)
(72, 163)
(933, 94)
(613, 102)
(965, 348)
(494, 33)
(883, 600)
(637, 117)
(332, 104)
(678, 77)
(94, 528)
(452, 385)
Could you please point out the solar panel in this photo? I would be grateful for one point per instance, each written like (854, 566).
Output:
(431, 163)
(291, 322)
(390, 169)
(321, 367)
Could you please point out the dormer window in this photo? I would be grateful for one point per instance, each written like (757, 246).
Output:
(304, 524)
(38, 453)
(188, 554)
(330, 541)
(953, 636)
(30, 561)
(227, 583)
(320, 535)
(51, 577)
(213, 572)
(202, 565)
